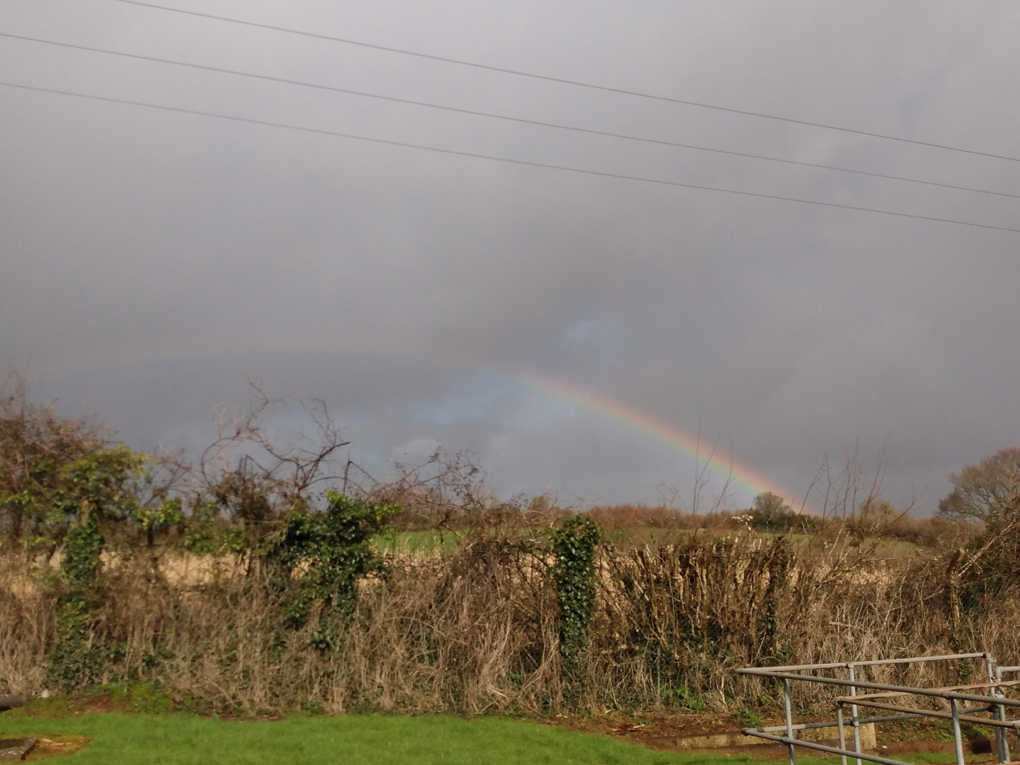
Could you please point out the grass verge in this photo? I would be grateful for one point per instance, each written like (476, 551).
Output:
(169, 739)
(137, 724)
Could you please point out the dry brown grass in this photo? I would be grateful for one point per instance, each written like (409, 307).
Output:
(26, 624)
(475, 630)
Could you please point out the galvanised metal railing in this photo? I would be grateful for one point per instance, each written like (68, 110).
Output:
(991, 702)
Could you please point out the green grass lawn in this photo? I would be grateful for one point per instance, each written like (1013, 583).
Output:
(141, 739)
(128, 739)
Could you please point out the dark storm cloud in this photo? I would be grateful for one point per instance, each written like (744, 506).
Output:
(150, 260)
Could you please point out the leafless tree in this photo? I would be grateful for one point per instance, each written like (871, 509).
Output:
(982, 490)
(255, 475)
(703, 475)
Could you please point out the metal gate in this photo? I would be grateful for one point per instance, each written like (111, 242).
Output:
(964, 706)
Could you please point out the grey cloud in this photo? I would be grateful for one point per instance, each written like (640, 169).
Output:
(151, 260)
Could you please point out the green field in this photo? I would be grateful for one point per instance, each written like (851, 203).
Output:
(420, 542)
(141, 739)
(432, 542)
(126, 739)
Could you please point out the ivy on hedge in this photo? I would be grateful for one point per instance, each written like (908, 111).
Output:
(320, 558)
(78, 658)
(575, 545)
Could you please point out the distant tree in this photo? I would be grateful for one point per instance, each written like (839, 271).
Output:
(771, 511)
(879, 509)
(769, 505)
(983, 491)
(771, 514)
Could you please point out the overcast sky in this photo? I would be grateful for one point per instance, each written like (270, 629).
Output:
(152, 260)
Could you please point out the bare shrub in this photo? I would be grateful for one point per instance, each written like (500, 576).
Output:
(476, 629)
(27, 619)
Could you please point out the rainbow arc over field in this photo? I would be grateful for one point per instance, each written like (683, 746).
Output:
(721, 465)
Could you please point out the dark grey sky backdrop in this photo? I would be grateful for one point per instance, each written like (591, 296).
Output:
(151, 260)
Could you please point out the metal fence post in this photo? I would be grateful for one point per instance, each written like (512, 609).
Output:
(853, 713)
(957, 735)
(789, 719)
(842, 736)
(1000, 734)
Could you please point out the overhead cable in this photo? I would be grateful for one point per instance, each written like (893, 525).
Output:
(506, 160)
(504, 117)
(563, 80)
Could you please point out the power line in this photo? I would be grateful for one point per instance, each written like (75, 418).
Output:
(508, 118)
(564, 81)
(505, 160)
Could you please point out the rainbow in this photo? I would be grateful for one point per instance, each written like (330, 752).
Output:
(724, 467)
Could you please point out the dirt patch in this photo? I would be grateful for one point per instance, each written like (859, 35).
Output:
(100, 703)
(71, 706)
(663, 732)
(917, 747)
(675, 726)
(56, 746)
